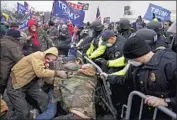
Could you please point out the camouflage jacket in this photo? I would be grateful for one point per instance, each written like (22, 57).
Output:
(45, 41)
(76, 93)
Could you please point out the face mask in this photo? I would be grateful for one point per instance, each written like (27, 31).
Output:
(135, 63)
(48, 62)
(109, 44)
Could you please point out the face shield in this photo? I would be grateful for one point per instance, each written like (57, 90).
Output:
(172, 28)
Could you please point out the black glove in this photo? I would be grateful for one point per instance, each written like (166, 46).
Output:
(101, 61)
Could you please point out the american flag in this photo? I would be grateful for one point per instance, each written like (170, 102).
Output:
(98, 16)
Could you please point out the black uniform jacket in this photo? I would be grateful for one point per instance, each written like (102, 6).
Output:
(158, 77)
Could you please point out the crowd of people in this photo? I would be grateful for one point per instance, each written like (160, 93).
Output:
(42, 77)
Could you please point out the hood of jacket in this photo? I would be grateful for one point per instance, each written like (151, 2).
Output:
(52, 50)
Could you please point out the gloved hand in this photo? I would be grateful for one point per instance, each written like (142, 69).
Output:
(104, 75)
(62, 74)
(101, 61)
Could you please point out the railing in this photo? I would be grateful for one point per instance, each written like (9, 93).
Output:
(108, 101)
(106, 89)
(143, 96)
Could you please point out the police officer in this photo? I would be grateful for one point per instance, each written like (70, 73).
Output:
(92, 41)
(150, 36)
(154, 74)
(161, 40)
(124, 28)
(109, 53)
(111, 61)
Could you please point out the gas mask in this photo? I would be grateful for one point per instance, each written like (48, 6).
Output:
(91, 32)
(84, 32)
(135, 63)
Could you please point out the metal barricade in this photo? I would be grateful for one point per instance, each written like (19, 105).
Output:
(107, 101)
(143, 96)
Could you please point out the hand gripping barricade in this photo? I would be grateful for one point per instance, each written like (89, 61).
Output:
(105, 94)
(143, 96)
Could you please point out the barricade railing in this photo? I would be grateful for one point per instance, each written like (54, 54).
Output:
(128, 107)
(106, 90)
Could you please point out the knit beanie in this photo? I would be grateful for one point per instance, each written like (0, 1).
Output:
(135, 47)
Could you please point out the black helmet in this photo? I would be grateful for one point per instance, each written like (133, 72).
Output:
(150, 36)
(154, 25)
(97, 25)
(124, 23)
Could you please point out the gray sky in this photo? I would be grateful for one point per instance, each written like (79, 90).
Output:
(38, 5)
(47, 5)
(113, 9)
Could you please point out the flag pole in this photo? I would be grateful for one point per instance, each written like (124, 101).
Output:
(51, 13)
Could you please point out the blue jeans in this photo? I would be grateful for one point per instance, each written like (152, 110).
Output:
(51, 109)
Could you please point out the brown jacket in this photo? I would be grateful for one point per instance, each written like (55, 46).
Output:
(31, 66)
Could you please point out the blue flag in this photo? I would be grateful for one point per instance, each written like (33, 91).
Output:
(63, 10)
(24, 25)
(21, 8)
(159, 12)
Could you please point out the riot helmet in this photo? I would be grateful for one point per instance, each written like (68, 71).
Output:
(97, 25)
(156, 26)
(150, 36)
(124, 24)
(95, 28)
